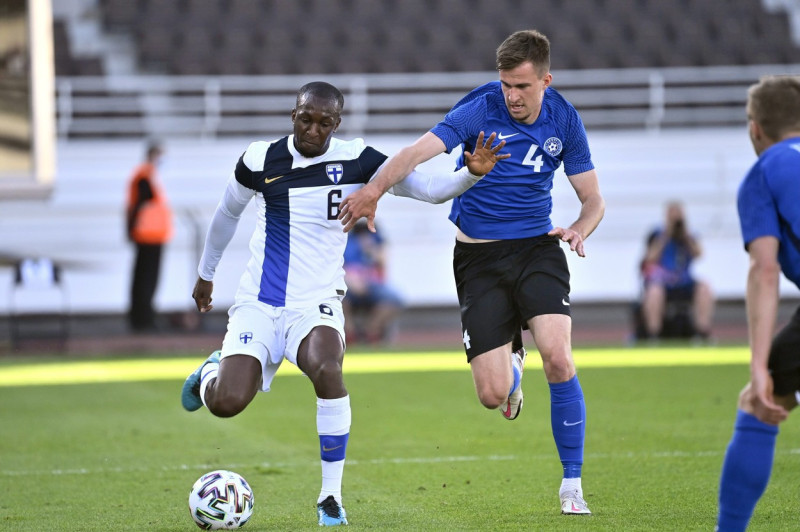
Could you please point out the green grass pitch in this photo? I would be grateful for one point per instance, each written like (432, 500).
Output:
(103, 445)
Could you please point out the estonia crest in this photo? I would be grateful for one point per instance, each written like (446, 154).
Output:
(553, 146)
(335, 172)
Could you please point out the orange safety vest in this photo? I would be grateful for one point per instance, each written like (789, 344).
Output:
(153, 223)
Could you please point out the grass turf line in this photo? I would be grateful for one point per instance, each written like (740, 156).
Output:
(137, 370)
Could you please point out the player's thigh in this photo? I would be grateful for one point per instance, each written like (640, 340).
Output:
(254, 330)
(488, 316)
(492, 367)
(784, 358)
(239, 375)
(329, 318)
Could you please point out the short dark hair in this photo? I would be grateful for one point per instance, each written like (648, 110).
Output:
(522, 46)
(322, 90)
(774, 104)
(154, 148)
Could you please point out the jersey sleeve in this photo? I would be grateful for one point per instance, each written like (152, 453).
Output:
(462, 123)
(782, 182)
(758, 215)
(370, 161)
(252, 160)
(577, 157)
(223, 225)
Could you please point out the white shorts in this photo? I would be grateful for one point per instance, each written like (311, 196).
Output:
(272, 334)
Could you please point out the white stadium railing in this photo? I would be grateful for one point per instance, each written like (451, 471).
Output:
(655, 135)
(168, 106)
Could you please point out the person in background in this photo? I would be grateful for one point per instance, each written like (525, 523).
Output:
(149, 224)
(367, 289)
(667, 275)
(769, 214)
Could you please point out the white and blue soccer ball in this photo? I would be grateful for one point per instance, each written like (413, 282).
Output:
(221, 500)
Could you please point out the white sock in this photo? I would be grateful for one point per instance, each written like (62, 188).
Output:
(571, 484)
(333, 419)
(208, 372)
(332, 473)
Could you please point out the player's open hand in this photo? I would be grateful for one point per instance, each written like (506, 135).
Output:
(573, 238)
(202, 294)
(485, 156)
(360, 204)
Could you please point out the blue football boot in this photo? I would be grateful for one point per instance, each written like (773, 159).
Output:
(190, 394)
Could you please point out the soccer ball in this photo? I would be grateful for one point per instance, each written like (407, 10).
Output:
(221, 500)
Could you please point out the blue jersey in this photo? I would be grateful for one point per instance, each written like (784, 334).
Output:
(769, 203)
(514, 200)
(676, 261)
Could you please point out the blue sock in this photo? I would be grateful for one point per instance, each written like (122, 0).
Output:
(568, 419)
(745, 471)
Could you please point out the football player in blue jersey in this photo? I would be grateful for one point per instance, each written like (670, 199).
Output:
(769, 215)
(289, 302)
(509, 267)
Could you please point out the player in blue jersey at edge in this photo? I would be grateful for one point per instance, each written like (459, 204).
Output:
(509, 267)
(289, 301)
(769, 214)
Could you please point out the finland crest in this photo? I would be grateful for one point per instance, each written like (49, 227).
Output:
(335, 172)
(553, 146)
(245, 337)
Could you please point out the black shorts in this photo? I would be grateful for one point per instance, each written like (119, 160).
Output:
(501, 285)
(784, 358)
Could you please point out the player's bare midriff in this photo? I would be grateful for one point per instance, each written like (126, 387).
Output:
(461, 237)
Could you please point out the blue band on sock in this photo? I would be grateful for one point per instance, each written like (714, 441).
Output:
(332, 448)
(568, 421)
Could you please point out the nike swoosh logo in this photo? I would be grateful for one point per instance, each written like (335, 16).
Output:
(572, 424)
(500, 136)
(565, 302)
(329, 449)
(271, 179)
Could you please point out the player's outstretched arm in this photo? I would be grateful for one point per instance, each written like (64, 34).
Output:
(440, 188)
(364, 202)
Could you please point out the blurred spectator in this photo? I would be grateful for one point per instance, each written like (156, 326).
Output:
(149, 222)
(668, 279)
(370, 305)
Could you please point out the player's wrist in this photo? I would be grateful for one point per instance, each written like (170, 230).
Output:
(466, 173)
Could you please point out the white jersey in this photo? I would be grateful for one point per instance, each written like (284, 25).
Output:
(297, 248)
(298, 245)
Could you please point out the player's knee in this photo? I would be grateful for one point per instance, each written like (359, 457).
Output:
(228, 403)
(325, 371)
(745, 402)
(558, 367)
(492, 396)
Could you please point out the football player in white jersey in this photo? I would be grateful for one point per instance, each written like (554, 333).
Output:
(508, 263)
(288, 304)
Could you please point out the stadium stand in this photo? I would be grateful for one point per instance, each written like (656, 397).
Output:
(210, 37)
(654, 81)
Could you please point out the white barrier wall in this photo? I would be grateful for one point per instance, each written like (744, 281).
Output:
(82, 224)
